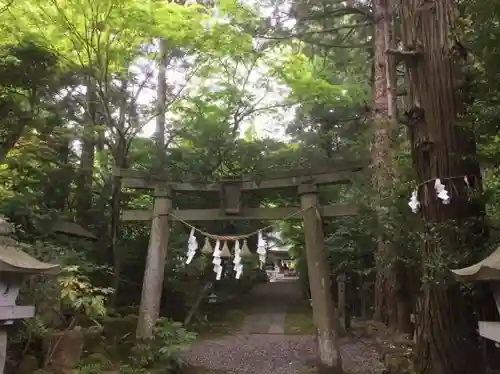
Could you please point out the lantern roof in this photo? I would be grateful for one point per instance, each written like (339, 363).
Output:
(15, 260)
(485, 270)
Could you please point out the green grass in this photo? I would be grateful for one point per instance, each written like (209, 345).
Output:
(299, 320)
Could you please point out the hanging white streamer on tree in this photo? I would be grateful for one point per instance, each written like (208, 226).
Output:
(441, 191)
(192, 247)
(238, 266)
(261, 249)
(217, 261)
(414, 203)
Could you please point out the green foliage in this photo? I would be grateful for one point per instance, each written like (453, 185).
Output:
(309, 82)
(165, 348)
(80, 295)
(90, 369)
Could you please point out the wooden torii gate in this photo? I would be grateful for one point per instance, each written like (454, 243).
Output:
(306, 183)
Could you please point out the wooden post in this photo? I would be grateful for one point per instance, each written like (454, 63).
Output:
(152, 285)
(341, 294)
(206, 288)
(364, 296)
(347, 301)
(343, 306)
(324, 313)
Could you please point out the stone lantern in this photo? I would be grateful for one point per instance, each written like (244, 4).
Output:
(487, 270)
(15, 266)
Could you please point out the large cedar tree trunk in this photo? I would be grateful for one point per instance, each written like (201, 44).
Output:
(383, 126)
(442, 147)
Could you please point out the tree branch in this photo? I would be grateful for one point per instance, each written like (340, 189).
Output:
(344, 11)
(313, 32)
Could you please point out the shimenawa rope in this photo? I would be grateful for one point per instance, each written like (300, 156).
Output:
(233, 237)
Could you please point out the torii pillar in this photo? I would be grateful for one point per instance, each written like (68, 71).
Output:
(324, 313)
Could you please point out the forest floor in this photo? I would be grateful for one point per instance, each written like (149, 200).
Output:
(275, 335)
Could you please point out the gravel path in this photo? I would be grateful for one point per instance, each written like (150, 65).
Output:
(255, 354)
(269, 303)
(262, 348)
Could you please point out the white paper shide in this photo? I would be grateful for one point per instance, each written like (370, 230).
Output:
(238, 266)
(217, 261)
(261, 249)
(441, 192)
(192, 247)
(414, 203)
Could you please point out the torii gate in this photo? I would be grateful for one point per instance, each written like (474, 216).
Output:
(306, 183)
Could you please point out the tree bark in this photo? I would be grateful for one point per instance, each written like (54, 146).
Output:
(127, 109)
(84, 180)
(383, 125)
(161, 101)
(442, 148)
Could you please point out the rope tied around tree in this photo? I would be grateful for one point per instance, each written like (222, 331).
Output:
(463, 177)
(441, 192)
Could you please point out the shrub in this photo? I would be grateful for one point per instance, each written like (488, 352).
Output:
(165, 349)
